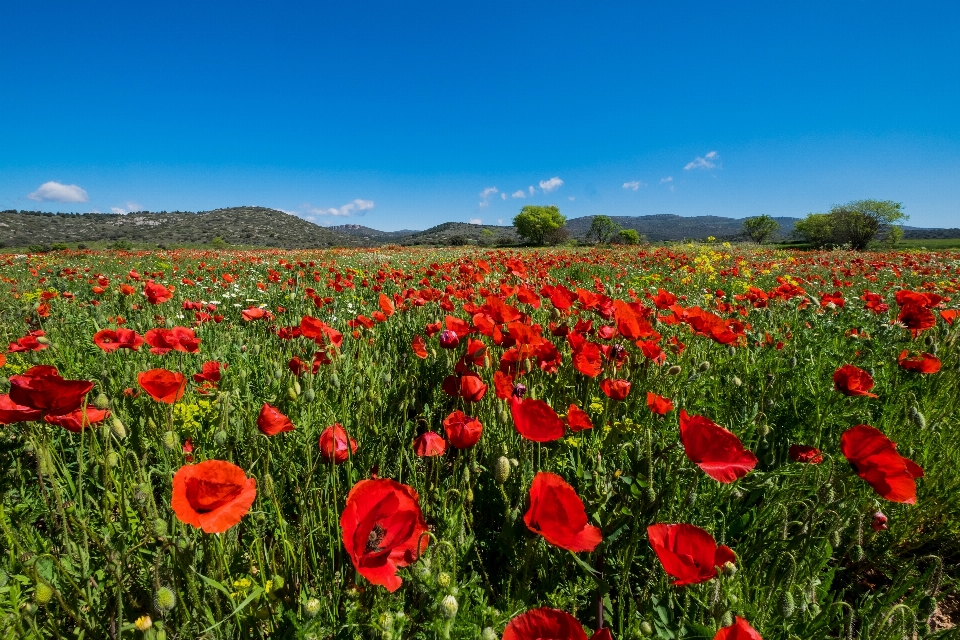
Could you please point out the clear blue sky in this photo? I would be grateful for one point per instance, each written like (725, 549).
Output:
(406, 114)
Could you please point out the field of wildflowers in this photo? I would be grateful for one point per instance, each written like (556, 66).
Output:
(698, 441)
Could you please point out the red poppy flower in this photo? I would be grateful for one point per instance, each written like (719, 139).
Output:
(11, 412)
(213, 495)
(503, 384)
(658, 404)
(164, 340)
(383, 530)
(739, 630)
(875, 459)
(587, 359)
(615, 388)
(577, 419)
(920, 363)
(187, 449)
(429, 444)
(271, 421)
(851, 381)
(916, 318)
(803, 453)
(111, 340)
(462, 430)
(26, 343)
(253, 313)
(43, 388)
(162, 385)
(544, 624)
(419, 347)
(535, 420)
(949, 316)
(78, 419)
(3, 359)
(335, 445)
(714, 449)
(556, 512)
(209, 372)
(468, 386)
(386, 305)
(688, 553)
(157, 293)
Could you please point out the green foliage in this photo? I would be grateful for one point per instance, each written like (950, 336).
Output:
(816, 229)
(629, 236)
(760, 228)
(602, 229)
(218, 243)
(854, 224)
(534, 222)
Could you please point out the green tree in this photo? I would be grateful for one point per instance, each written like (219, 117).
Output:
(628, 236)
(816, 229)
(760, 228)
(534, 222)
(602, 229)
(859, 222)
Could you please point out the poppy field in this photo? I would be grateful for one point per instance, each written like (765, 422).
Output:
(694, 441)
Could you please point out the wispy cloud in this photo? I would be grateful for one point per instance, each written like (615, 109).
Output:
(357, 207)
(633, 185)
(129, 208)
(519, 193)
(476, 221)
(56, 192)
(709, 161)
(572, 198)
(667, 179)
(531, 189)
(550, 185)
(485, 196)
(503, 196)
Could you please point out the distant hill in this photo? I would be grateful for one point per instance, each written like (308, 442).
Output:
(373, 235)
(673, 227)
(462, 233)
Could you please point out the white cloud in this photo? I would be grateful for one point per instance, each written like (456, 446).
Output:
(357, 207)
(550, 185)
(571, 198)
(476, 221)
(532, 189)
(709, 161)
(56, 192)
(489, 191)
(129, 208)
(503, 196)
(634, 185)
(667, 179)
(519, 193)
(499, 220)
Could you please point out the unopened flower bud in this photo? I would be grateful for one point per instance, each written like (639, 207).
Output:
(102, 401)
(449, 607)
(488, 634)
(165, 599)
(786, 605)
(449, 339)
(729, 569)
(443, 579)
(737, 382)
(170, 440)
(160, 528)
(118, 429)
(112, 459)
(879, 522)
(674, 370)
(311, 607)
(501, 471)
(704, 366)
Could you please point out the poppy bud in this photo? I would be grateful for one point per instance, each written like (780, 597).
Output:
(220, 437)
(651, 495)
(793, 362)
(112, 459)
(737, 382)
(488, 634)
(296, 386)
(160, 528)
(278, 582)
(917, 418)
(45, 340)
(43, 593)
(704, 366)
(856, 553)
(165, 599)
(674, 370)
(501, 470)
(729, 569)
(879, 522)
(311, 607)
(449, 339)
(449, 607)
(646, 628)
(386, 621)
(309, 395)
(727, 619)
(170, 440)
(928, 604)
(334, 380)
(143, 623)
(102, 401)
(786, 605)
(118, 429)
(292, 393)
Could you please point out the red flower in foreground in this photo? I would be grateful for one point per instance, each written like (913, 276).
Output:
(544, 624)
(658, 404)
(535, 420)
(383, 530)
(851, 381)
(157, 293)
(468, 386)
(615, 389)
(739, 630)
(462, 431)
(162, 385)
(111, 340)
(920, 363)
(209, 372)
(419, 347)
(714, 449)
(213, 495)
(43, 388)
(875, 459)
(429, 444)
(11, 412)
(79, 419)
(271, 421)
(688, 553)
(803, 453)
(556, 512)
(336, 445)
(577, 419)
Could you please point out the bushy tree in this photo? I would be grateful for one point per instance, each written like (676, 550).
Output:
(856, 223)
(629, 236)
(602, 229)
(760, 228)
(534, 222)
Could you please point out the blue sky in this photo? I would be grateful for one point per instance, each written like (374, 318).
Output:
(404, 115)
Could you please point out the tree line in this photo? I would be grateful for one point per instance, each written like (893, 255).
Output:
(854, 225)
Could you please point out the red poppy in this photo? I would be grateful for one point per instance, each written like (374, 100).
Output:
(111, 340)
(429, 444)
(213, 495)
(577, 419)
(468, 386)
(157, 293)
(383, 530)
(503, 384)
(920, 363)
(43, 388)
(949, 316)
(162, 385)
(714, 449)
(271, 421)
(587, 359)
(544, 624)
(26, 343)
(688, 553)
(335, 445)
(615, 388)
(164, 340)
(556, 512)
(11, 412)
(875, 459)
(386, 305)
(419, 347)
(253, 313)
(462, 430)
(535, 420)
(78, 419)
(658, 404)
(851, 381)
(209, 372)
(3, 359)
(187, 449)
(916, 318)
(803, 453)
(739, 630)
